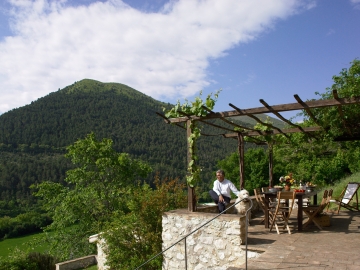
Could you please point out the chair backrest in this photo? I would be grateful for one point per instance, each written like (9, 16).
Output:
(286, 195)
(323, 204)
(265, 189)
(349, 193)
(329, 196)
(325, 197)
(259, 198)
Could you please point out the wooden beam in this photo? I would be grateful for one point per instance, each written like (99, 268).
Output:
(259, 120)
(241, 160)
(203, 121)
(284, 119)
(278, 108)
(214, 125)
(202, 134)
(164, 117)
(273, 132)
(271, 165)
(229, 122)
(181, 126)
(255, 141)
(191, 190)
(306, 108)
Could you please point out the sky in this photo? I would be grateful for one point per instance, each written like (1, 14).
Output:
(172, 50)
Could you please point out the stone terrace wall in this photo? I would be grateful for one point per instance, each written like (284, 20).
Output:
(215, 246)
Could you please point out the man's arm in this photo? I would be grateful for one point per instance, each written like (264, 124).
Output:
(234, 189)
(217, 190)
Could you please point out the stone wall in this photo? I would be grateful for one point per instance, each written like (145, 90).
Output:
(101, 255)
(215, 246)
(79, 263)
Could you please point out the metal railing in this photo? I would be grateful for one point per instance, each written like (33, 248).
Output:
(184, 238)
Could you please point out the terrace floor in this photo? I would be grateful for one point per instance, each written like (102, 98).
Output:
(335, 247)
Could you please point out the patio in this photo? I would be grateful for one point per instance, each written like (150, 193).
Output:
(335, 247)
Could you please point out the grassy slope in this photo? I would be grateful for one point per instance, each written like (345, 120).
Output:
(25, 243)
(338, 187)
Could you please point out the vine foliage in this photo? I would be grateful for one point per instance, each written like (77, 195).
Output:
(193, 108)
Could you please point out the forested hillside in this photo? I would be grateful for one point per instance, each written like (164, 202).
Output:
(33, 138)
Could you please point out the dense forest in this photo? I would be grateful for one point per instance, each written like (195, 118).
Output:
(33, 138)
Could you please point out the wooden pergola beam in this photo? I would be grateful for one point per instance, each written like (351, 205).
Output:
(214, 125)
(306, 108)
(278, 108)
(259, 120)
(282, 118)
(273, 132)
(203, 121)
(229, 122)
(164, 117)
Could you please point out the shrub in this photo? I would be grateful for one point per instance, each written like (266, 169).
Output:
(32, 260)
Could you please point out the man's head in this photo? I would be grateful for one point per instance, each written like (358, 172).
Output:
(220, 175)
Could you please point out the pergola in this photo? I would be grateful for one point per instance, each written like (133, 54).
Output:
(254, 113)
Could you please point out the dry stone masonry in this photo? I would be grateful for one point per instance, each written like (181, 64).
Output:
(216, 246)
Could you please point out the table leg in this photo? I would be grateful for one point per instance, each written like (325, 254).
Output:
(300, 213)
(315, 199)
(266, 221)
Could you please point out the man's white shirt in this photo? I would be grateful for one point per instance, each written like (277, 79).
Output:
(224, 188)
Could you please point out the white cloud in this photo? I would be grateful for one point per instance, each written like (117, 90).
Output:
(164, 55)
(356, 3)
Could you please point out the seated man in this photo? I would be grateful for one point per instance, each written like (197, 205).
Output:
(221, 190)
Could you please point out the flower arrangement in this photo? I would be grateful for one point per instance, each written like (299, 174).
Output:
(287, 180)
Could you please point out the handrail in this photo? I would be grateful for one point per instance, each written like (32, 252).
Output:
(246, 233)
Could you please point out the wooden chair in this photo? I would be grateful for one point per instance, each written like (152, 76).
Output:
(272, 200)
(313, 211)
(282, 213)
(346, 197)
(329, 198)
(261, 202)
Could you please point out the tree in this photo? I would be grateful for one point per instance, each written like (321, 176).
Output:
(347, 84)
(256, 167)
(104, 196)
(97, 188)
(134, 238)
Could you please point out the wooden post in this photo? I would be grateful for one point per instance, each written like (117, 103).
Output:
(191, 190)
(241, 160)
(271, 182)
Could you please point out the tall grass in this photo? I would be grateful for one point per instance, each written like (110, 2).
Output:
(25, 243)
(338, 187)
(28, 244)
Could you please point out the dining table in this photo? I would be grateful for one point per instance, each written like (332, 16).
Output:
(300, 196)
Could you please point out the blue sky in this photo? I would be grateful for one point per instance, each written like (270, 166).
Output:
(170, 50)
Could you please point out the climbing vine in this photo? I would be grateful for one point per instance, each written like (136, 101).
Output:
(266, 129)
(193, 108)
(267, 137)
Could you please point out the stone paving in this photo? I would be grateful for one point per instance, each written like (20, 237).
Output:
(334, 247)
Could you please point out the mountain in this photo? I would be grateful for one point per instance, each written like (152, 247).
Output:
(33, 138)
